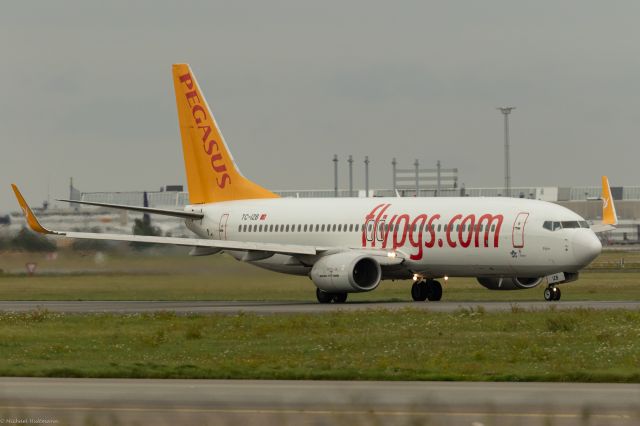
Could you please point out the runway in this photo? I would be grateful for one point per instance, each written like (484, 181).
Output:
(125, 401)
(265, 308)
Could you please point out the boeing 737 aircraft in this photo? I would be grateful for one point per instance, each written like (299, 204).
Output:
(349, 245)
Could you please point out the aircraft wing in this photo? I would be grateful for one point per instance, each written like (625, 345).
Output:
(35, 225)
(385, 257)
(175, 213)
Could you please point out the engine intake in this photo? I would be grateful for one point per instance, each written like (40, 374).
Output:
(512, 283)
(346, 272)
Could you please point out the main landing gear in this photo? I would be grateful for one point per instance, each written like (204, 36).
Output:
(326, 297)
(426, 290)
(552, 293)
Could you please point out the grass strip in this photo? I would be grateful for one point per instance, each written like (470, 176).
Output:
(575, 345)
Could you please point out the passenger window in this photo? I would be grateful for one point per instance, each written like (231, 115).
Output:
(322, 229)
(355, 228)
(339, 227)
(493, 228)
(351, 227)
(305, 228)
(457, 227)
(270, 228)
(299, 228)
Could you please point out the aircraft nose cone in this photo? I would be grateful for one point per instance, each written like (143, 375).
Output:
(586, 246)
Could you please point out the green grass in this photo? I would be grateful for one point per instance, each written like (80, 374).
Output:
(575, 345)
(163, 277)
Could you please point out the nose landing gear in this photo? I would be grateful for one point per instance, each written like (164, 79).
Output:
(552, 293)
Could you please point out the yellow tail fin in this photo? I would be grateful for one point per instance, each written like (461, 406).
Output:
(609, 216)
(212, 175)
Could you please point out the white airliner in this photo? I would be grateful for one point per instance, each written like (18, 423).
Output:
(349, 245)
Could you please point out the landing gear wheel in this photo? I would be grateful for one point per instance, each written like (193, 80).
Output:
(552, 294)
(323, 296)
(434, 291)
(339, 297)
(419, 291)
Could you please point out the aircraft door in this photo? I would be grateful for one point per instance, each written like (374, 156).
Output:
(518, 230)
(222, 227)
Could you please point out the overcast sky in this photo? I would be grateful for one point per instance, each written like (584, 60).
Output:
(86, 90)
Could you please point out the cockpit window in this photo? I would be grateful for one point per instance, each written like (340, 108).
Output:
(566, 224)
(570, 224)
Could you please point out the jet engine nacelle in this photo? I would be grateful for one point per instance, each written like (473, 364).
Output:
(346, 272)
(514, 283)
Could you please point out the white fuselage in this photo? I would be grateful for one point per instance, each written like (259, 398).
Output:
(479, 237)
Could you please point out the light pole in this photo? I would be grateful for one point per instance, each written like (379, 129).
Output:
(366, 175)
(393, 165)
(438, 171)
(335, 175)
(507, 166)
(416, 164)
(350, 161)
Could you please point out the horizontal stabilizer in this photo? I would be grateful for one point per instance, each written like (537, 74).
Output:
(175, 213)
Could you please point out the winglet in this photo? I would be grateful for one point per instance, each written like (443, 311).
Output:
(32, 220)
(609, 216)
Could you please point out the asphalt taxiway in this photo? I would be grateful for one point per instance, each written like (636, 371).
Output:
(148, 401)
(262, 307)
